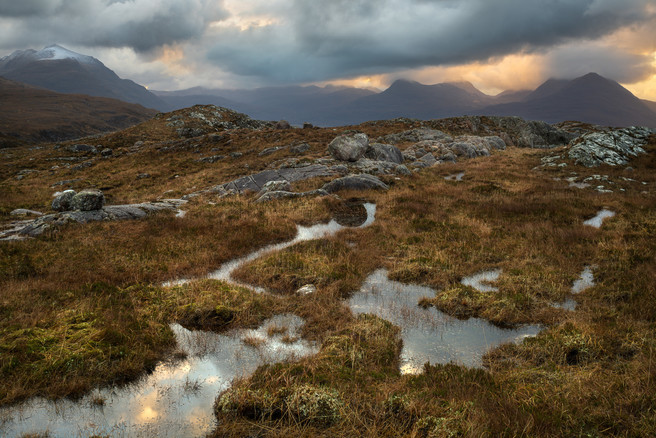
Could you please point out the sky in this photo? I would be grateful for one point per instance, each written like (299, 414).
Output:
(495, 44)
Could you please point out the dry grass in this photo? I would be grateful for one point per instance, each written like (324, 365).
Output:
(82, 308)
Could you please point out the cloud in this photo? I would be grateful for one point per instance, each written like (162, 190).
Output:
(343, 38)
(142, 25)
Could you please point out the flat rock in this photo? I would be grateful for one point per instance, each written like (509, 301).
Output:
(355, 182)
(25, 212)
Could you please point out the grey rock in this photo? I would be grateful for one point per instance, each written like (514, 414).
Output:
(307, 125)
(282, 194)
(415, 135)
(613, 147)
(308, 289)
(283, 124)
(256, 181)
(348, 147)
(36, 227)
(88, 200)
(366, 165)
(25, 212)
(212, 159)
(428, 159)
(355, 182)
(82, 166)
(63, 201)
(384, 152)
(236, 154)
(300, 148)
(86, 148)
(276, 186)
(143, 176)
(464, 149)
(107, 152)
(269, 151)
(402, 170)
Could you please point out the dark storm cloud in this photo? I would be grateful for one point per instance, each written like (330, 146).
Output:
(342, 38)
(139, 24)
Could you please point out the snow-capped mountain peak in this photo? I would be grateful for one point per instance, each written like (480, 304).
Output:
(56, 51)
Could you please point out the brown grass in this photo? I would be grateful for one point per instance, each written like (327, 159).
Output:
(81, 307)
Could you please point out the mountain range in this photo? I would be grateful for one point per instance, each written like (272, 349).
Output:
(590, 98)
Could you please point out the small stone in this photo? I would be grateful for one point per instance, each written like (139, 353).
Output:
(308, 125)
(308, 289)
(107, 152)
(143, 175)
(82, 148)
(25, 212)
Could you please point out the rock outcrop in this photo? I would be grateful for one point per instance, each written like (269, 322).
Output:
(32, 228)
(612, 147)
(88, 200)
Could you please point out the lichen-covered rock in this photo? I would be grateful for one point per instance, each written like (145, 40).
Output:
(88, 200)
(308, 289)
(276, 186)
(349, 147)
(613, 147)
(384, 152)
(62, 201)
(355, 182)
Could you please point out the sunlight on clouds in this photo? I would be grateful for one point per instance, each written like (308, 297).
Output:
(645, 89)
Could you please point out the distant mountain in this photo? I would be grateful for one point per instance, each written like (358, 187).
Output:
(30, 114)
(58, 69)
(651, 105)
(295, 104)
(590, 98)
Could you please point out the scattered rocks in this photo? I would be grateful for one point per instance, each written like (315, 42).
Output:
(36, 227)
(84, 165)
(349, 147)
(86, 148)
(211, 160)
(63, 201)
(613, 147)
(355, 182)
(88, 200)
(415, 136)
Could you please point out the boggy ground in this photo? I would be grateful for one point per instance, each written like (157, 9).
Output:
(83, 306)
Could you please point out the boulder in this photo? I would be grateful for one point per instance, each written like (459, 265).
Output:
(283, 124)
(88, 200)
(348, 147)
(355, 182)
(384, 152)
(62, 201)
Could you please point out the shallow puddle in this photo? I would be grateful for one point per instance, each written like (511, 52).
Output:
(428, 334)
(303, 234)
(599, 218)
(176, 399)
(477, 281)
(455, 177)
(585, 281)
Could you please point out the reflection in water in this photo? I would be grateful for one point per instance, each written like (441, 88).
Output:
(176, 399)
(599, 218)
(455, 177)
(303, 234)
(428, 334)
(477, 280)
(585, 281)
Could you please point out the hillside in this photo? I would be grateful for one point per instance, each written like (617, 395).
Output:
(58, 69)
(30, 115)
(455, 277)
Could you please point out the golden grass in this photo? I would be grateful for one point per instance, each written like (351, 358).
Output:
(82, 307)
